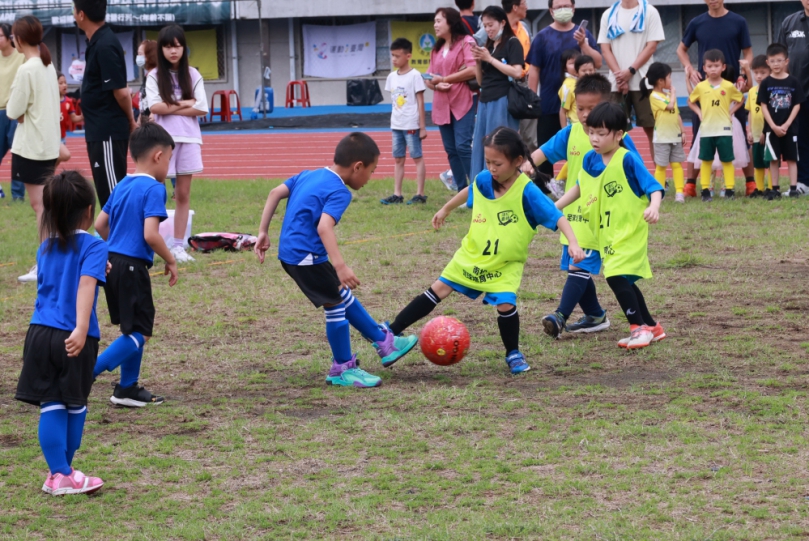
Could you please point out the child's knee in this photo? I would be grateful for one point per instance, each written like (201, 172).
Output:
(505, 308)
(400, 161)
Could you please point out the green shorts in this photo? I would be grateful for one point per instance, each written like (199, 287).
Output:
(708, 147)
(758, 157)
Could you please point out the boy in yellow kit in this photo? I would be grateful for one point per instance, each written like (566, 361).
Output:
(755, 129)
(718, 100)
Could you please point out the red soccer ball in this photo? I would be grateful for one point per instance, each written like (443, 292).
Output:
(444, 340)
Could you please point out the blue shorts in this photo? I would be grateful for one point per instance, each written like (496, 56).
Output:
(406, 140)
(495, 299)
(591, 263)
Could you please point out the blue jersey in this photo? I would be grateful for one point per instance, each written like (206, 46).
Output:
(134, 199)
(555, 150)
(637, 176)
(58, 274)
(311, 194)
(538, 208)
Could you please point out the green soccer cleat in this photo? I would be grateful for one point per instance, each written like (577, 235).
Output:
(393, 348)
(349, 374)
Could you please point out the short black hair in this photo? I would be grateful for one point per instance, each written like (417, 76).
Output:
(550, 3)
(401, 44)
(509, 5)
(777, 48)
(464, 4)
(148, 137)
(713, 55)
(95, 10)
(581, 60)
(5, 29)
(607, 115)
(595, 83)
(356, 147)
(760, 62)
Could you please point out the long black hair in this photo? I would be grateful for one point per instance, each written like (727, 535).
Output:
(170, 35)
(498, 14)
(510, 144)
(65, 198)
(457, 29)
(657, 71)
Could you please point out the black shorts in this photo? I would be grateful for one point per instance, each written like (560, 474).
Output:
(49, 375)
(785, 148)
(31, 171)
(129, 295)
(108, 164)
(318, 282)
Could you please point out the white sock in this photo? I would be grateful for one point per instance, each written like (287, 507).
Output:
(178, 242)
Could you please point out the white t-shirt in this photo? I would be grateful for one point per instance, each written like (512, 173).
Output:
(628, 45)
(403, 90)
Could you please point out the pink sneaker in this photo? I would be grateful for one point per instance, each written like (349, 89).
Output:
(75, 483)
(47, 487)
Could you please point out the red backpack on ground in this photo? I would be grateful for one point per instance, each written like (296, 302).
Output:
(230, 242)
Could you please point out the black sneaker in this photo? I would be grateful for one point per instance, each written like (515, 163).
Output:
(729, 194)
(134, 397)
(775, 193)
(706, 196)
(392, 200)
(588, 324)
(756, 193)
(554, 324)
(418, 199)
(793, 192)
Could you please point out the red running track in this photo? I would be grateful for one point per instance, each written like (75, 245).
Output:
(282, 155)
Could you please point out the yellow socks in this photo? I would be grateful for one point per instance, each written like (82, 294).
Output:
(705, 174)
(679, 177)
(758, 174)
(660, 175)
(729, 173)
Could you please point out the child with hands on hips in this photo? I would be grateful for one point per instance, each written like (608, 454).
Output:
(506, 210)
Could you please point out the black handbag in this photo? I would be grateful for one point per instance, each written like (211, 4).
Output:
(523, 102)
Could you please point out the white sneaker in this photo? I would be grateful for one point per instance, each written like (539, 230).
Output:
(557, 188)
(803, 189)
(679, 198)
(448, 180)
(640, 338)
(30, 276)
(181, 255)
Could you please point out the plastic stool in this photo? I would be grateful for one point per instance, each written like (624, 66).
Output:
(268, 102)
(291, 94)
(225, 114)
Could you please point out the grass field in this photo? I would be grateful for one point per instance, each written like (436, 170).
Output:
(703, 436)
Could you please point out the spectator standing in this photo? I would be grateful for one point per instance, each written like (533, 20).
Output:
(546, 70)
(106, 102)
(34, 104)
(499, 61)
(517, 11)
(452, 66)
(794, 33)
(720, 29)
(146, 61)
(10, 61)
(629, 33)
(467, 11)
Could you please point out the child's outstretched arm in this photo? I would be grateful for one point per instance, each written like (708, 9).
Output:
(263, 242)
(573, 248)
(459, 199)
(151, 234)
(326, 231)
(652, 212)
(84, 308)
(570, 196)
(102, 225)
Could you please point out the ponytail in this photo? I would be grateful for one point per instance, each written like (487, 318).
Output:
(29, 30)
(45, 54)
(65, 199)
(656, 72)
(644, 89)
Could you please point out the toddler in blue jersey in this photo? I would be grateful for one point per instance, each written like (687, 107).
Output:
(129, 223)
(309, 254)
(62, 341)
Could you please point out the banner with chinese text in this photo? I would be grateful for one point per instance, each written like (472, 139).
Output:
(337, 52)
(121, 12)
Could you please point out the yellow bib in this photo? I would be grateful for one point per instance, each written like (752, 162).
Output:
(493, 253)
(577, 146)
(616, 219)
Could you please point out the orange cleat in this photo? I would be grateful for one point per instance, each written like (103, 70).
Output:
(690, 189)
(657, 332)
(749, 188)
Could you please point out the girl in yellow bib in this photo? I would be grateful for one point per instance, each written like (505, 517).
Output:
(506, 210)
(618, 216)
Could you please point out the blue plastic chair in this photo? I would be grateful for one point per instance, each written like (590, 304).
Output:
(269, 100)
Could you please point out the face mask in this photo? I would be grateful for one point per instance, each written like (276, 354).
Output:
(140, 60)
(499, 34)
(563, 15)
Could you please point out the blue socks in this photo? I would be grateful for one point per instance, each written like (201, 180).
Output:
(53, 436)
(75, 428)
(126, 352)
(338, 333)
(579, 289)
(359, 318)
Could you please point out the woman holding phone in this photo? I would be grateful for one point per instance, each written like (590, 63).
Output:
(451, 66)
(499, 60)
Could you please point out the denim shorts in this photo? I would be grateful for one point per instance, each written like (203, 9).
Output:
(410, 140)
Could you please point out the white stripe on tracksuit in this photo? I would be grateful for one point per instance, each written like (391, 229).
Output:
(109, 165)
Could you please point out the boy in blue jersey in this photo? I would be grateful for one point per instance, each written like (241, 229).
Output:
(571, 144)
(317, 201)
(129, 223)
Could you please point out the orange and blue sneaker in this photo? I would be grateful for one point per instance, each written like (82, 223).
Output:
(349, 374)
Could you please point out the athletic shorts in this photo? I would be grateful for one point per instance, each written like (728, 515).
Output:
(409, 140)
(709, 146)
(186, 159)
(34, 172)
(318, 282)
(129, 295)
(758, 157)
(494, 299)
(785, 148)
(108, 164)
(634, 100)
(668, 153)
(49, 375)
(591, 263)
